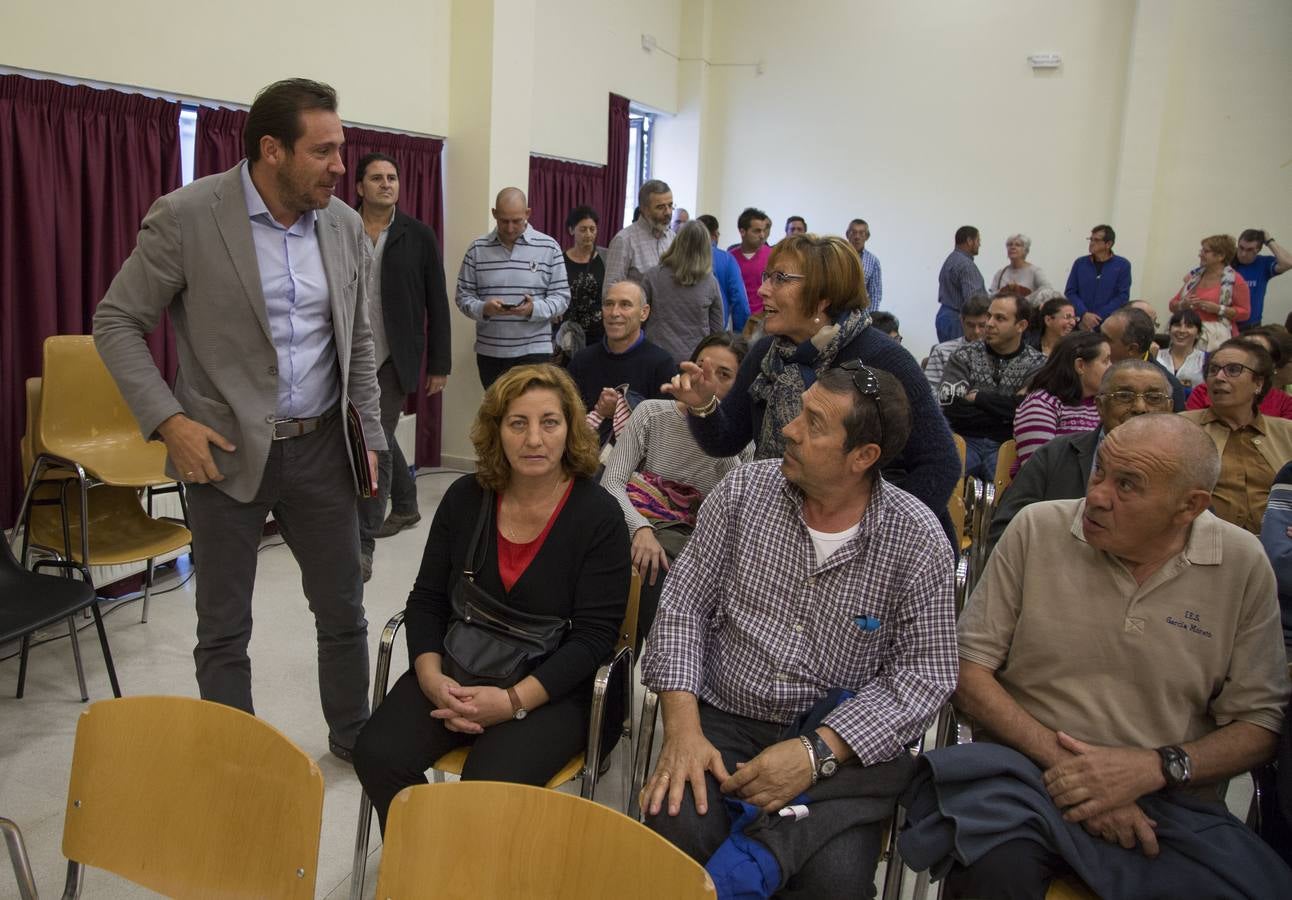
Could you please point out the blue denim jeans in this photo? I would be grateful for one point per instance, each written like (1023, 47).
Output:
(948, 324)
(980, 457)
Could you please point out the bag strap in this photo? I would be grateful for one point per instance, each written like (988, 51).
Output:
(474, 560)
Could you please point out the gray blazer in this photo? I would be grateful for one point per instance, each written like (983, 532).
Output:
(195, 258)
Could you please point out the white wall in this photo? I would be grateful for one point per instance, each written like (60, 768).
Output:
(584, 51)
(389, 64)
(924, 116)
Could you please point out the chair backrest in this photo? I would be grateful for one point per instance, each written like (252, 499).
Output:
(486, 840)
(188, 797)
(963, 449)
(1004, 462)
(81, 407)
(30, 439)
(628, 628)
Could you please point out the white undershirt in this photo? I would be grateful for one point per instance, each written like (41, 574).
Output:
(826, 542)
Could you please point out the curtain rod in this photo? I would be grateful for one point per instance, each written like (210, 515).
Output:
(568, 159)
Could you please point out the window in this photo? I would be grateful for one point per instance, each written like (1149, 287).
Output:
(187, 140)
(640, 138)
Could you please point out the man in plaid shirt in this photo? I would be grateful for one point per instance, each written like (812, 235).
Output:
(804, 575)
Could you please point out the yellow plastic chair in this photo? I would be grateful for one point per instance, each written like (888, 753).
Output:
(584, 765)
(1004, 462)
(485, 840)
(119, 530)
(190, 798)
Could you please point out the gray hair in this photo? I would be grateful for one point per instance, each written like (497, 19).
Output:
(1197, 460)
(1134, 365)
(654, 186)
(1022, 239)
(1039, 296)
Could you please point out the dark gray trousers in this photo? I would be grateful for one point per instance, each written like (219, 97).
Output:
(308, 487)
(843, 867)
(394, 482)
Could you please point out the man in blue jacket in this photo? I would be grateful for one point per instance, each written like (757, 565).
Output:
(730, 284)
(1099, 283)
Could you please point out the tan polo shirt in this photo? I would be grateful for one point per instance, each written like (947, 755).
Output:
(1249, 459)
(1083, 648)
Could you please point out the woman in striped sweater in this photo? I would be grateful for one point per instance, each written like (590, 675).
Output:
(659, 474)
(1061, 395)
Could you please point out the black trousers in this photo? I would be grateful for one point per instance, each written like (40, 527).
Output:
(1016, 870)
(492, 367)
(843, 867)
(394, 483)
(309, 488)
(401, 741)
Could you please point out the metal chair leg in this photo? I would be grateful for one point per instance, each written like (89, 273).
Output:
(22, 665)
(641, 756)
(75, 880)
(76, 655)
(107, 651)
(148, 589)
(18, 856)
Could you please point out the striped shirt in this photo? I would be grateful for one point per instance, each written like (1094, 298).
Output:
(1042, 416)
(874, 279)
(657, 439)
(535, 266)
(634, 250)
(751, 623)
(937, 360)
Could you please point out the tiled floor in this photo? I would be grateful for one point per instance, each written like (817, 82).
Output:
(36, 733)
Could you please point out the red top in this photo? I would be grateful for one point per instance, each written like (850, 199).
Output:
(514, 559)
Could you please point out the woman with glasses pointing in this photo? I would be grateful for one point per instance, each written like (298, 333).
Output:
(814, 294)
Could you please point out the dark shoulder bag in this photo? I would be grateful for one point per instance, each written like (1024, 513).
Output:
(489, 642)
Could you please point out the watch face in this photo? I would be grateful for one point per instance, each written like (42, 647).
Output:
(1175, 768)
(829, 767)
(521, 713)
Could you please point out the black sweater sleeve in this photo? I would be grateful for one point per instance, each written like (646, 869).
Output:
(731, 426)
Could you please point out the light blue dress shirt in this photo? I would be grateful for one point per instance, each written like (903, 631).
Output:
(297, 301)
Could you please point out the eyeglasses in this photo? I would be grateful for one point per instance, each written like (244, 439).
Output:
(1126, 397)
(864, 380)
(1096, 240)
(1231, 370)
(779, 278)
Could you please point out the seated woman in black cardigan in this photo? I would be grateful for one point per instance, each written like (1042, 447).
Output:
(560, 548)
(814, 295)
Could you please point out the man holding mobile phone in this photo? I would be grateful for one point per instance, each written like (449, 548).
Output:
(513, 283)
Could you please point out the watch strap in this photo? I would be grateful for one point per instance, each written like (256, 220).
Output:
(515, 700)
(1173, 756)
(811, 752)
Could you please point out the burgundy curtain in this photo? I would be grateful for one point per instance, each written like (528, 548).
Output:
(421, 195)
(556, 187)
(217, 142)
(616, 172)
(79, 168)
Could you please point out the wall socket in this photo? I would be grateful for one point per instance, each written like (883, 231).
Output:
(648, 42)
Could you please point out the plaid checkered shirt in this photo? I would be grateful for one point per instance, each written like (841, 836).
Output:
(749, 622)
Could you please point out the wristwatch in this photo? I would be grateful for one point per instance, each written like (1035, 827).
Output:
(1268, 240)
(822, 755)
(1177, 768)
(518, 712)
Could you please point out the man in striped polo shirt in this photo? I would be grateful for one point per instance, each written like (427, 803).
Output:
(512, 282)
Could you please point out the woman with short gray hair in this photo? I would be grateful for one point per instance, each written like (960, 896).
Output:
(1019, 271)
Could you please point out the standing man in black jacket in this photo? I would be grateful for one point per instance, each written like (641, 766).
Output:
(409, 310)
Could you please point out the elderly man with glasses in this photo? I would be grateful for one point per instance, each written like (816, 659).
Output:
(804, 639)
(1252, 447)
(1060, 469)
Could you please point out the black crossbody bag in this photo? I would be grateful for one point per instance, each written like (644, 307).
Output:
(489, 642)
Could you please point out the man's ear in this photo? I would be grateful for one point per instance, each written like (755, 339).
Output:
(1192, 505)
(645, 311)
(271, 149)
(863, 458)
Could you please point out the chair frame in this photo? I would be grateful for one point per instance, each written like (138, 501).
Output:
(621, 659)
(18, 856)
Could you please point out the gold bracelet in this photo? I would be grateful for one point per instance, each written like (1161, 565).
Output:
(703, 412)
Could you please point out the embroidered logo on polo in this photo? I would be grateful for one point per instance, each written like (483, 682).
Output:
(1192, 623)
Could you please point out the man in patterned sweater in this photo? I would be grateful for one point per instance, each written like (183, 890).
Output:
(984, 382)
(808, 580)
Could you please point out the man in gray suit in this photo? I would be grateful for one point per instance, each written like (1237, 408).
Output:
(262, 270)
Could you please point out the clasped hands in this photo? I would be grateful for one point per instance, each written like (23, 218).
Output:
(468, 710)
(1097, 787)
(769, 781)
